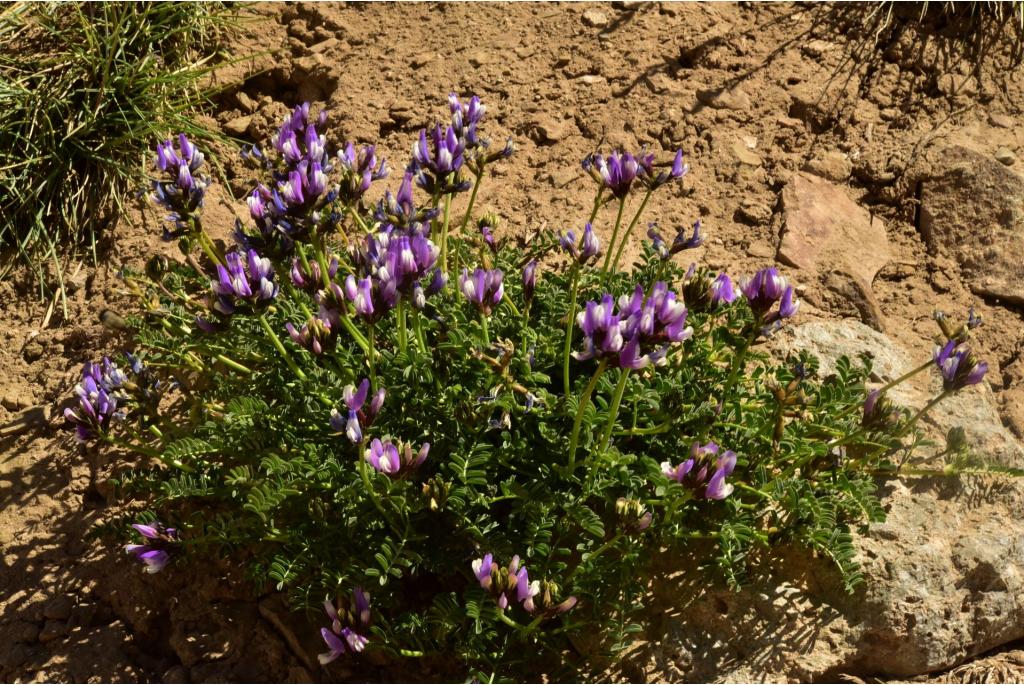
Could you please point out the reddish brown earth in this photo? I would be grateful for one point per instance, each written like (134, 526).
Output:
(751, 93)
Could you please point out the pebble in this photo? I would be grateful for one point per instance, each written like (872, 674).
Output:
(754, 213)
(58, 608)
(724, 99)
(760, 250)
(423, 59)
(595, 18)
(592, 79)
(12, 401)
(552, 130)
(33, 351)
(1005, 156)
(239, 125)
(1000, 120)
(52, 630)
(245, 101)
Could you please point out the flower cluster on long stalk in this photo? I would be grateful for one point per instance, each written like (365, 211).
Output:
(706, 478)
(350, 623)
(159, 543)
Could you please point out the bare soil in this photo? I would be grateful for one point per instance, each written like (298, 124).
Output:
(751, 92)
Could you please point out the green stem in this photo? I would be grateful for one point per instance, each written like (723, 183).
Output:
(472, 201)
(204, 241)
(149, 452)
(370, 353)
(417, 324)
(359, 221)
(444, 233)
(613, 410)
(737, 363)
(483, 326)
(629, 230)
(597, 552)
(924, 410)
(574, 292)
(231, 363)
(652, 430)
(615, 235)
(581, 409)
(280, 348)
(597, 205)
(403, 332)
(908, 375)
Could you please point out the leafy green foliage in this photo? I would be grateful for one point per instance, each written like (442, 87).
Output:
(250, 465)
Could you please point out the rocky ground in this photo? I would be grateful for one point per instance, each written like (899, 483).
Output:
(881, 175)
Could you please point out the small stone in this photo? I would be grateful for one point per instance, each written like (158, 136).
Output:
(58, 608)
(754, 213)
(13, 401)
(1000, 120)
(480, 58)
(245, 102)
(760, 251)
(835, 166)
(238, 126)
(744, 155)
(25, 631)
(592, 79)
(324, 45)
(423, 59)
(33, 351)
(52, 630)
(552, 130)
(1004, 155)
(595, 18)
(724, 99)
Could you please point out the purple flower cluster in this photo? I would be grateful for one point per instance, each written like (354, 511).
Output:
(679, 243)
(466, 116)
(529, 280)
(320, 333)
(483, 288)
(763, 290)
(587, 250)
(183, 188)
(352, 423)
(99, 393)
(350, 622)
(308, 277)
(155, 552)
(639, 334)
(437, 161)
(244, 278)
(293, 206)
(395, 460)
(618, 171)
(694, 472)
(359, 168)
(958, 366)
(399, 212)
(633, 515)
(513, 581)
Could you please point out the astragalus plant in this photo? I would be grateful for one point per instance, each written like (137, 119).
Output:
(461, 447)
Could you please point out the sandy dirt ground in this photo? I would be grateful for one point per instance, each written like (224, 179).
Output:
(752, 94)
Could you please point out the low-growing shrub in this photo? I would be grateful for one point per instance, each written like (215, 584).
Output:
(465, 448)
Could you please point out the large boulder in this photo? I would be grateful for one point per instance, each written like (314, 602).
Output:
(829, 236)
(943, 576)
(972, 210)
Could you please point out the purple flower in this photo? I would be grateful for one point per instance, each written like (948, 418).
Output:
(395, 460)
(349, 623)
(373, 296)
(359, 168)
(618, 171)
(722, 292)
(99, 393)
(508, 584)
(694, 472)
(319, 334)
(155, 552)
(541, 601)
(633, 515)
(529, 280)
(352, 424)
(681, 242)
(182, 189)
(465, 118)
(639, 333)
(958, 366)
(484, 288)
(245, 277)
(311, 280)
(437, 162)
(399, 212)
(587, 250)
(763, 290)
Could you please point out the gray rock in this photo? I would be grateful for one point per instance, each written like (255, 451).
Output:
(595, 18)
(972, 211)
(835, 166)
(1004, 155)
(943, 576)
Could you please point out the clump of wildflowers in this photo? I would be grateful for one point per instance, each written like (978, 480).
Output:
(278, 450)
